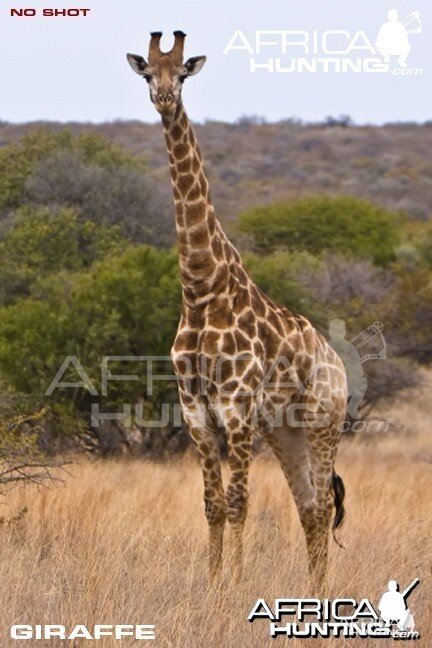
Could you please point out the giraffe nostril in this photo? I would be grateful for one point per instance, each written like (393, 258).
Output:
(165, 97)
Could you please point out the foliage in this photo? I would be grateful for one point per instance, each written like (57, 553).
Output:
(343, 224)
(20, 458)
(88, 174)
(125, 305)
(44, 242)
(286, 277)
(18, 159)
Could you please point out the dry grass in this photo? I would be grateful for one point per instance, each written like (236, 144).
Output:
(126, 543)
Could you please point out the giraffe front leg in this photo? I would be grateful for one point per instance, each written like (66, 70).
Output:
(239, 435)
(202, 431)
(214, 497)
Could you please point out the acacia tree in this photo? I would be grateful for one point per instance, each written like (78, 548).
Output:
(20, 458)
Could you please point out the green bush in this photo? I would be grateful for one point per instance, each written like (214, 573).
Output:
(44, 241)
(127, 304)
(17, 160)
(285, 277)
(347, 225)
(100, 181)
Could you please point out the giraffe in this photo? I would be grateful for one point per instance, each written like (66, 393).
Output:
(243, 362)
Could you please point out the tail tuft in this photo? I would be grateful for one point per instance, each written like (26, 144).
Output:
(339, 495)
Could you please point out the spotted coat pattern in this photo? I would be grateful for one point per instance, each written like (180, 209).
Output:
(245, 365)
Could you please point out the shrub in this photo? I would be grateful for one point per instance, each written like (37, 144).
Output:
(350, 226)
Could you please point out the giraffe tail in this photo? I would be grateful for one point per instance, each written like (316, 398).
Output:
(339, 495)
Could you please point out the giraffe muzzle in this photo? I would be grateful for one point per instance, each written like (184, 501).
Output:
(165, 99)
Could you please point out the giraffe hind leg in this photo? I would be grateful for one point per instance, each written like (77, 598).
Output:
(309, 473)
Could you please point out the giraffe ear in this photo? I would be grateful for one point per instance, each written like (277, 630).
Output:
(194, 64)
(137, 63)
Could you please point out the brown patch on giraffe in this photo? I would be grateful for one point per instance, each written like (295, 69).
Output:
(180, 221)
(180, 151)
(242, 299)
(258, 348)
(194, 193)
(185, 182)
(274, 320)
(242, 275)
(195, 164)
(257, 303)
(203, 182)
(189, 293)
(241, 364)
(273, 343)
(199, 237)
(211, 220)
(226, 371)
(196, 212)
(182, 238)
(209, 342)
(205, 449)
(184, 165)
(235, 461)
(192, 140)
(247, 323)
(242, 342)
(176, 132)
(219, 281)
(228, 343)
(208, 463)
(221, 319)
(233, 424)
(252, 378)
(199, 260)
(195, 386)
(186, 340)
(231, 386)
(217, 248)
(243, 453)
(227, 249)
(309, 340)
(194, 318)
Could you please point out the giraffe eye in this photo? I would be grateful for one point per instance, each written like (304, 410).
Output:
(182, 77)
(147, 77)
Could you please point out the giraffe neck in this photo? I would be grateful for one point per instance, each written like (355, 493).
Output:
(205, 253)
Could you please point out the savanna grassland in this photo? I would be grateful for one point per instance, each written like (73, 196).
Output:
(125, 542)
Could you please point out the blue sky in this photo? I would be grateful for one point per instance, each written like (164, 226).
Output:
(75, 68)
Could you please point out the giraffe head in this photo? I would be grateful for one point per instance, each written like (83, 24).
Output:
(165, 72)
